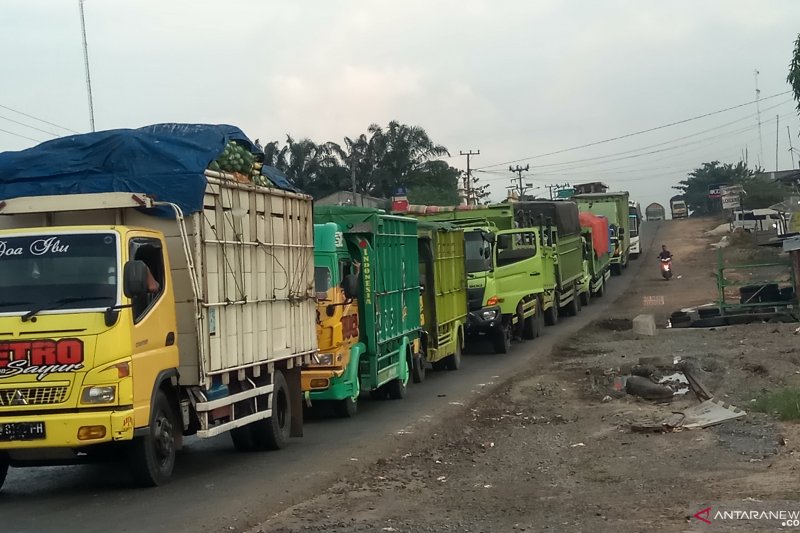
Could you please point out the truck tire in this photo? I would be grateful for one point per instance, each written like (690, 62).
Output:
(346, 408)
(396, 389)
(539, 316)
(529, 328)
(273, 433)
(601, 289)
(418, 369)
(152, 457)
(242, 439)
(453, 361)
(3, 468)
(501, 339)
(586, 297)
(551, 315)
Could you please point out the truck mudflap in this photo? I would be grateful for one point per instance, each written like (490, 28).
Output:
(68, 430)
(484, 319)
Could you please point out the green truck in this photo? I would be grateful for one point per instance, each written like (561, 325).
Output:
(614, 206)
(523, 262)
(596, 256)
(444, 296)
(368, 292)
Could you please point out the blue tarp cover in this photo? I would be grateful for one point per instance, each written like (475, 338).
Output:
(166, 161)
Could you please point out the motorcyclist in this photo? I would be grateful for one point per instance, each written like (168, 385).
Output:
(665, 254)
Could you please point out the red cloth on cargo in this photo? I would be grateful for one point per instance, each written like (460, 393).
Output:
(599, 227)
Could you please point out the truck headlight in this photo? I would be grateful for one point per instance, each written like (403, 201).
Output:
(489, 314)
(323, 359)
(105, 394)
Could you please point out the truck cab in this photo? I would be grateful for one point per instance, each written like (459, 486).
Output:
(330, 376)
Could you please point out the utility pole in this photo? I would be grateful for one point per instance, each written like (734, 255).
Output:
(468, 178)
(758, 115)
(777, 123)
(791, 148)
(519, 170)
(86, 65)
(556, 187)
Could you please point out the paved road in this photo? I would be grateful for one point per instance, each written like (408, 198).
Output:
(217, 489)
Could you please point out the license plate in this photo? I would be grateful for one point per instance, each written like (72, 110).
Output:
(22, 431)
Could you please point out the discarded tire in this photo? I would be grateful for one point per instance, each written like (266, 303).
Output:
(644, 388)
(711, 322)
(708, 312)
(680, 321)
(678, 314)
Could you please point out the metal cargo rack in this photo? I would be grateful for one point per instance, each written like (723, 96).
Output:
(759, 288)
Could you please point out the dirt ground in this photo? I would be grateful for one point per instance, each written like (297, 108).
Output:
(552, 450)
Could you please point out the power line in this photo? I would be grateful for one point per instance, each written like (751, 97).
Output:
(640, 132)
(18, 135)
(37, 118)
(28, 126)
(569, 166)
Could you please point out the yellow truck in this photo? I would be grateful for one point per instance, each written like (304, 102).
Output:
(129, 320)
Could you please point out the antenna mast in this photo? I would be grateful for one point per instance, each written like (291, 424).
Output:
(758, 114)
(86, 65)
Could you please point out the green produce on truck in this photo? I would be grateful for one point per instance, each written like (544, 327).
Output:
(148, 299)
(381, 250)
(444, 294)
(597, 259)
(614, 206)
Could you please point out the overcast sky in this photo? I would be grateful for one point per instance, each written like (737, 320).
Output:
(515, 79)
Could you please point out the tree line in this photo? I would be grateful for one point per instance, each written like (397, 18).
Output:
(382, 159)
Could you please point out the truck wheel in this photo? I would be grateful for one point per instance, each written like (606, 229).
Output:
(346, 408)
(453, 361)
(586, 297)
(551, 315)
(396, 389)
(152, 457)
(529, 328)
(539, 316)
(574, 307)
(501, 339)
(601, 289)
(378, 394)
(243, 439)
(418, 369)
(273, 433)
(3, 468)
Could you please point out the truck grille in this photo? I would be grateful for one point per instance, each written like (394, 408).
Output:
(33, 396)
(475, 298)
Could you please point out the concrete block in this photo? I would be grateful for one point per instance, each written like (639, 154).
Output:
(644, 325)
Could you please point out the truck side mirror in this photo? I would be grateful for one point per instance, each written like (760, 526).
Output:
(621, 231)
(350, 286)
(134, 279)
(487, 252)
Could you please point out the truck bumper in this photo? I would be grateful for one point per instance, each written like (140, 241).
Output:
(336, 386)
(484, 320)
(61, 430)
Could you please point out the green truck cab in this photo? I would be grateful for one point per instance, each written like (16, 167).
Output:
(562, 253)
(444, 295)
(375, 259)
(614, 206)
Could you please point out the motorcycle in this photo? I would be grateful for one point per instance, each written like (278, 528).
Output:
(666, 268)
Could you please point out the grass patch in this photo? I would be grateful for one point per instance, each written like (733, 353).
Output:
(783, 403)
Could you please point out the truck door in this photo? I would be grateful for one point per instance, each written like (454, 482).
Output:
(154, 324)
(517, 269)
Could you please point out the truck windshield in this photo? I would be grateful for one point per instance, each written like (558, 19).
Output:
(476, 252)
(79, 271)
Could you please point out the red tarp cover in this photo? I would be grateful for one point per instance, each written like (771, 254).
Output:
(599, 227)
